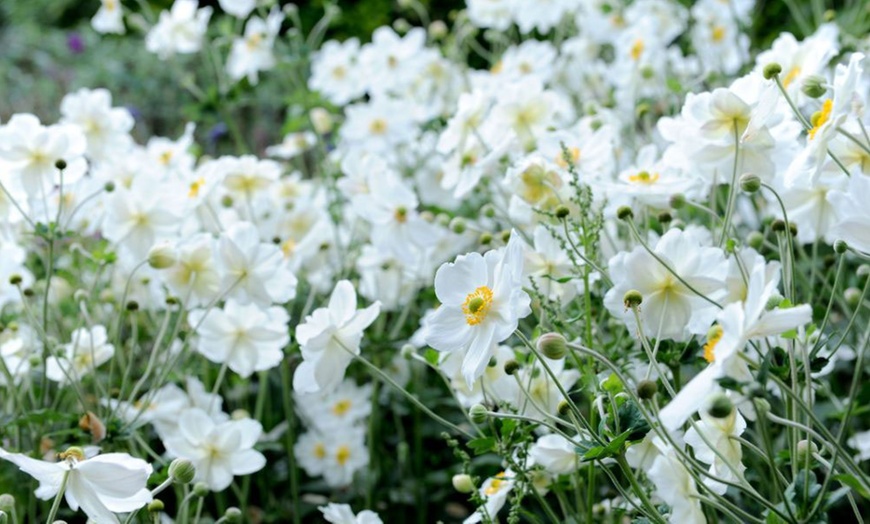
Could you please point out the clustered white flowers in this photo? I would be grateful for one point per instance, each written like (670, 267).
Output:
(621, 249)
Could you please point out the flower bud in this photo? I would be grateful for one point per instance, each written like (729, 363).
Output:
(665, 218)
(488, 210)
(677, 201)
(829, 15)
(647, 389)
(563, 408)
(562, 212)
(852, 296)
(506, 236)
(755, 240)
(840, 246)
(632, 298)
(457, 225)
(778, 226)
(477, 413)
(771, 70)
(407, 351)
(511, 367)
(4, 519)
(155, 506)
(60, 164)
(437, 29)
(109, 187)
(92, 424)
(401, 25)
(233, 515)
(463, 483)
(552, 345)
(15, 279)
(624, 213)
(162, 256)
(485, 239)
(200, 489)
(805, 447)
(321, 120)
(863, 270)
(814, 86)
(720, 406)
(182, 471)
(774, 301)
(132, 305)
(7, 503)
(750, 183)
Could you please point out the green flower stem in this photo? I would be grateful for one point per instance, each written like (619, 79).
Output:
(732, 189)
(60, 492)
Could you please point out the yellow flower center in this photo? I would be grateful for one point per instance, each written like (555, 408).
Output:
(339, 73)
(165, 157)
(713, 338)
(573, 155)
(319, 451)
(792, 74)
(401, 215)
(820, 117)
(378, 126)
(495, 486)
(342, 455)
(636, 49)
(718, 33)
(288, 247)
(644, 177)
(195, 187)
(477, 305)
(341, 407)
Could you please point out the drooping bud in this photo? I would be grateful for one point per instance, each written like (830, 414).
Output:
(463, 483)
(552, 345)
(182, 471)
(814, 86)
(632, 298)
(771, 70)
(720, 406)
(647, 389)
(750, 183)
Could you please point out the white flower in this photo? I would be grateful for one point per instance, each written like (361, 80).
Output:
(138, 217)
(106, 128)
(253, 53)
(219, 451)
(336, 73)
(494, 491)
(238, 8)
(101, 486)
(254, 271)
(342, 514)
(853, 213)
(329, 338)
(179, 30)
(482, 300)
(109, 18)
(725, 455)
(556, 454)
(344, 407)
(247, 337)
(88, 350)
(676, 488)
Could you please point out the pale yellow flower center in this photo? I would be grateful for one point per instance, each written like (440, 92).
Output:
(477, 305)
(341, 407)
(713, 338)
(378, 126)
(636, 50)
(495, 486)
(195, 186)
(819, 118)
(644, 177)
(319, 451)
(342, 455)
(718, 33)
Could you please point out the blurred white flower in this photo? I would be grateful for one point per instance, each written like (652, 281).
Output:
(179, 30)
(88, 350)
(109, 17)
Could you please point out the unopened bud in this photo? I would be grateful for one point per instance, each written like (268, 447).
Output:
(321, 120)
(814, 86)
(552, 345)
(562, 212)
(632, 298)
(771, 70)
(407, 351)
(162, 256)
(132, 305)
(840, 246)
(233, 515)
(805, 447)
(720, 406)
(485, 239)
(647, 389)
(15, 279)
(182, 471)
(863, 270)
(773, 301)
(511, 367)
(200, 489)
(7, 502)
(778, 226)
(563, 408)
(60, 164)
(463, 483)
(677, 201)
(108, 187)
(477, 413)
(506, 236)
(458, 225)
(155, 506)
(852, 296)
(750, 183)
(437, 29)
(488, 210)
(624, 213)
(755, 240)
(665, 218)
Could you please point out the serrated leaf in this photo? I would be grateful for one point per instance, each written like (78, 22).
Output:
(482, 445)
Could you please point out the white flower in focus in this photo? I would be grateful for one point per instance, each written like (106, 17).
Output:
(179, 30)
(676, 488)
(248, 338)
(343, 407)
(101, 486)
(482, 300)
(137, 218)
(219, 451)
(342, 514)
(329, 338)
(88, 350)
(109, 18)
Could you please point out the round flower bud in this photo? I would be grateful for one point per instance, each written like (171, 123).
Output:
(506, 236)
(488, 210)
(7, 502)
(677, 201)
(28, 292)
(182, 471)
(863, 270)
(792, 228)
(624, 213)
(463, 483)
(437, 29)
(778, 226)
(59, 522)
(485, 239)
(15, 279)
(457, 225)
(109, 187)
(240, 414)
(774, 301)
(233, 515)
(750, 183)
(321, 120)
(563, 408)
(805, 447)
(814, 86)
(755, 240)
(720, 407)
(852, 296)
(647, 389)
(4, 519)
(632, 298)
(771, 70)
(200, 489)
(155, 506)
(227, 201)
(407, 351)
(552, 345)
(477, 414)
(562, 212)
(840, 246)
(401, 25)
(162, 256)
(511, 367)
(60, 164)
(665, 218)
(132, 305)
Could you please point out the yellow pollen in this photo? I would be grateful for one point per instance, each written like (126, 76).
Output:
(378, 126)
(253, 41)
(341, 407)
(636, 49)
(644, 177)
(165, 157)
(110, 5)
(477, 305)
(820, 117)
(713, 338)
(339, 73)
(195, 187)
(792, 74)
(342, 455)
(319, 451)
(496, 68)
(573, 152)
(495, 485)
(718, 33)
(401, 215)
(288, 247)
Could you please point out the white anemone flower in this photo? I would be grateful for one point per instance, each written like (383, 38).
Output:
(179, 30)
(676, 488)
(101, 486)
(109, 18)
(494, 491)
(482, 300)
(88, 350)
(329, 338)
(254, 271)
(726, 455)
(556, 454)
(343, 514)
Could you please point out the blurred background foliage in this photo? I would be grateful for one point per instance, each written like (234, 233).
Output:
(49, 49)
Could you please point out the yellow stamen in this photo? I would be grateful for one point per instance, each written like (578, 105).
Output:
(477, 305)
(342, 455)
(573, 154)
(495, 485)
(195, 187)
(378, 126)
(821, 117)
(341, 407)
(319, 451)
(644, 177)
(636, 49)
(718, 33)
(790, 77)
(713, 338)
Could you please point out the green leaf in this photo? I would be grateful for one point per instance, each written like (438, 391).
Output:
(612, 385)
(482, 445)
(431, 356)
(852, 482)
